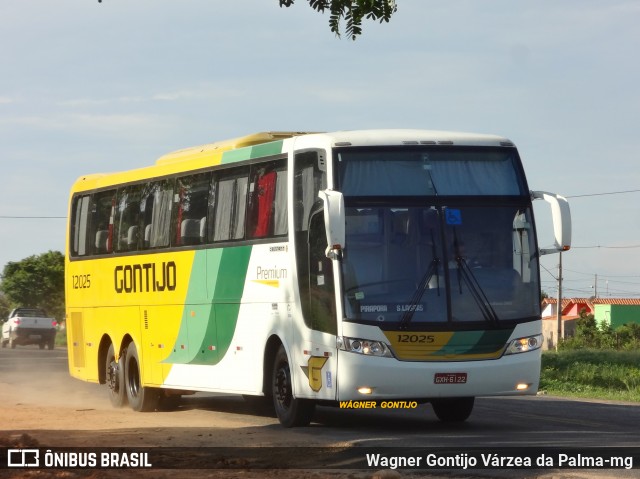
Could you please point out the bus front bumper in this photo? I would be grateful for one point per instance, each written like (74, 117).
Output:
(363, 377)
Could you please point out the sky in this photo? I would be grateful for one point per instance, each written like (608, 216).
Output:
(89, 87)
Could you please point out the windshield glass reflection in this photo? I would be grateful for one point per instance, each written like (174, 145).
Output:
(412, 265)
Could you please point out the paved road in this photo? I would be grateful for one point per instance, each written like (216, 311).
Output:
(222, 420)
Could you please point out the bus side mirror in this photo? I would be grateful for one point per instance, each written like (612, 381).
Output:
(561, 221)
(334, 219)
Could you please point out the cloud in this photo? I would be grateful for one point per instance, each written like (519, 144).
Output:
(76, 122)
(99, 102)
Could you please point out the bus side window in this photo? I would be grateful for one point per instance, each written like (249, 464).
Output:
(127, 219)
(79, 225)
(190, 213)
(321, 303)
(155, 208)
(230, 206)
(280, 222)
(267, 211)
(101, 236)
(308, 180)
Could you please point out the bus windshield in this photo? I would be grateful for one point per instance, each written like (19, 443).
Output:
(419, 260)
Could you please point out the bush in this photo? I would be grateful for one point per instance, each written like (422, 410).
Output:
(589, 336)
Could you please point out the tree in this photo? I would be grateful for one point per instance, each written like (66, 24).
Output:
(5, 307)
(36, 281)
(352, 12)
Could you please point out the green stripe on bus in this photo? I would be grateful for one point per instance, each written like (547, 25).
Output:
(251, 152)
(228, 293)
(474, 342)
(491, 341)
(208, 324)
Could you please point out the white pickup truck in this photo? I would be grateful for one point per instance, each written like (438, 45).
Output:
(29, 326)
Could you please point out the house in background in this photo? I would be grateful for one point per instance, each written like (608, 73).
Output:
(616, 312)
(613, 311)
(570, 312)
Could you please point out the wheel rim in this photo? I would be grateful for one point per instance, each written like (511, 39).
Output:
(282, 386)
(112, 376)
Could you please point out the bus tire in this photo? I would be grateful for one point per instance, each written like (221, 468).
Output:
(114, 377)
(453, 409)
(291, 411)
(141, 398)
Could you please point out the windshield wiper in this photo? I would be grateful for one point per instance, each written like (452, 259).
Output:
(465, 274)
(432, 271)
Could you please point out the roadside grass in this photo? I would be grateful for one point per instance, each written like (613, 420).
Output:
(595, 374)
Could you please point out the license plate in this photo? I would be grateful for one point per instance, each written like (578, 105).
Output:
(450, 378)
(34, 336)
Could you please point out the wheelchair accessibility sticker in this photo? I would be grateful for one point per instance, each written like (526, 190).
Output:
(453, 216)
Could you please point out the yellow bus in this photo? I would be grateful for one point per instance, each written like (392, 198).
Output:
(311, 268)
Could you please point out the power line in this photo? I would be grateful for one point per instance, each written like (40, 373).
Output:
(32, 217)
(606, 275)
(570, 196)
(578, 272)
(606, 247)
(603, 194)
(550, 273)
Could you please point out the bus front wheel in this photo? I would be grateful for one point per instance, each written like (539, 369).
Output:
(453, 409)
(291, 411)
(141, 398)
(114, 376)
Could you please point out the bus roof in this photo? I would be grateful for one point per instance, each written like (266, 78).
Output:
(414, 137)
(386, 137)
(208, 154)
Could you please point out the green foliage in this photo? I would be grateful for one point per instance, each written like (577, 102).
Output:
(36, 281)
(5, 307)
(596, 362)
(61, 338)
(352, 12)
(592, 373)
(589, 336)
(628, 336)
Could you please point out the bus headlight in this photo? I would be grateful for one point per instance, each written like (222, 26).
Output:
(523, 345)
(364, 346)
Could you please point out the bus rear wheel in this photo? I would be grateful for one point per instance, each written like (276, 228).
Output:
(291, 411)
(453, 409)
(141, 398)
(114, 377)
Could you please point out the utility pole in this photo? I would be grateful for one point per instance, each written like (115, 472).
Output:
(559, 308)
(595, 286)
